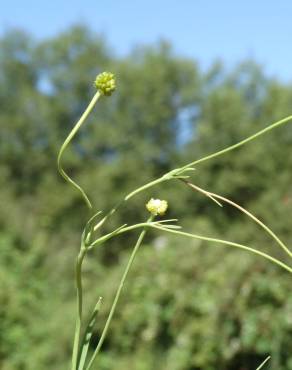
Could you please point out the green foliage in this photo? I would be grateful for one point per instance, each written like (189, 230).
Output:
(188, 308)
(188, 305)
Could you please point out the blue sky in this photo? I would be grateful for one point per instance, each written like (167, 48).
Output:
(205, 30)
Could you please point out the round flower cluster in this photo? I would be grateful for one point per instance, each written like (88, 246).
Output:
(157, 207)
(105, 83)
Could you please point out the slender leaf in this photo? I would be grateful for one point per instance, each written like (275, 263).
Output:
(87, 335)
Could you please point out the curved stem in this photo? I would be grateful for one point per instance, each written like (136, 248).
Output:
(68, 140)
(78, 277)
(232, 244)
(243, 210)
(117, 296)
(168, 175)
(124, 228)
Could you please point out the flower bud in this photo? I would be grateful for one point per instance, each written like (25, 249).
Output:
(157, 207)
(105, 83)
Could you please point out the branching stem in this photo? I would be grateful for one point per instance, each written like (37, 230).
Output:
(117, 296)
(243, 210)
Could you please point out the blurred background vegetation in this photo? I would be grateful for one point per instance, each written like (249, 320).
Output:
(187, 305)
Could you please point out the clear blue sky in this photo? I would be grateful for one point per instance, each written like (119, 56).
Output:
(202, 29)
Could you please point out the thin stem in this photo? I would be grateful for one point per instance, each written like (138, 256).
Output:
(144, 187)
(121, 231)
(126, 198)
(171, 174)
(124, 228)
(68, 140)
(232, 244)
(263, 363)
(240, 143)
(117, 296)
(259, 222)
(78, 277)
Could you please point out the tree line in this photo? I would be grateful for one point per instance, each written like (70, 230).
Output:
(186, 305)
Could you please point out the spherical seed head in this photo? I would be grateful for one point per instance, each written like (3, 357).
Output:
(105, 83)
(157, 207)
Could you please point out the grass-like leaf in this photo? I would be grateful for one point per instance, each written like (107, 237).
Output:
(87, 335)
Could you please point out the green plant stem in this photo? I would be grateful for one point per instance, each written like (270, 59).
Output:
(117, 296)
(171, 174)
(106, 237)
(144, 187)
(165, 177)
(240, 143)
(232, 244)
(124, 228)
(243, 210)
(78, 277)
(157, 226)
(127, 197)
(263, 363)
(68, 140)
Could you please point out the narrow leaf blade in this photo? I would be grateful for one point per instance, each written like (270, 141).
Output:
(88, 334)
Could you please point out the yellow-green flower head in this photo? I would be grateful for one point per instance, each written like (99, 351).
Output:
(157, 207)
(105, 83)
